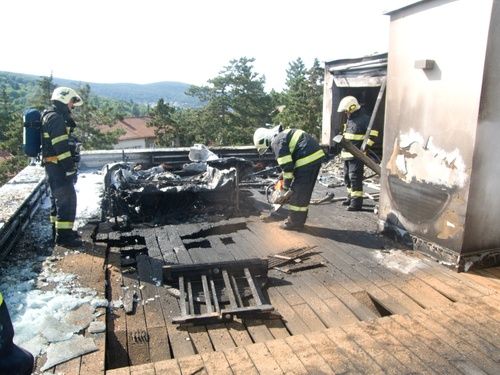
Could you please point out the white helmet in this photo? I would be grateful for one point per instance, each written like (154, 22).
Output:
(65, 95)
(263, 137)
(348, 104)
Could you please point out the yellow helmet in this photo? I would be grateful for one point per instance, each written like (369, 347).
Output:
(65, 95)
(348, 104)
(263, 137)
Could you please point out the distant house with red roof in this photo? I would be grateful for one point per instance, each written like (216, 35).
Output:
(137, 133)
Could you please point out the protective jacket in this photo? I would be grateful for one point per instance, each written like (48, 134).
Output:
(295, 149)
(56, 126)
(355, 130)
(300, 157)
(58, 152)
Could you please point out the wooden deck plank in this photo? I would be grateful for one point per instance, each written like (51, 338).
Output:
(413, 341)
(220, 337)
(423, 294)
(200, 339)
(328, 317)
(240, 362)
(119, 371)
(192, 365)
(384, 359)
(453, 276)
(353, 351)
(394, 346)
(442, 287)
(145, 369)
(485, 280)
(467, 332)
(216, 363)
(116, 322)
(239, 333)
(407, 302)
(292, 320)
(329, 351)
(137, 348)
(263, 359)
(309, 357)
(486, 330)
(315, 292)
(95, 363)
(360, 311)
(175, 242)
(441, 347)
(490, 307)
(454, 338)
(167, 367)
(280, 350)
(155, 322)
(309, 317)
(258, 330)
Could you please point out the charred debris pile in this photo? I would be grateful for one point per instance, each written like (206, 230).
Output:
(202, 190)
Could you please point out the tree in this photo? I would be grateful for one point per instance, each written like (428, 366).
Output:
(302, 98)
(43, 93)
(236, 104)
(89, 117)
(164, 126)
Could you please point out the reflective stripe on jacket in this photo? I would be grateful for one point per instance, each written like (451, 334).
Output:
(55, 136)
(294, 148)
(355, 130)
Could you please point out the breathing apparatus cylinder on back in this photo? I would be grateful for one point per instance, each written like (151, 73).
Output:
(32, 137)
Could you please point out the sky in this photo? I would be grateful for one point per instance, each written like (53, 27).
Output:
(190, 41)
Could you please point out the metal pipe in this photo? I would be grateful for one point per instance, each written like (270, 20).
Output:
(357, 153)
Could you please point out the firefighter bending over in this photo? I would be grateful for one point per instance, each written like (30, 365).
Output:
(299, 156)
(354, 131)
(59, 159)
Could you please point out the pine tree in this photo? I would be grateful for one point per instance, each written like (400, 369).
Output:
(236, 104)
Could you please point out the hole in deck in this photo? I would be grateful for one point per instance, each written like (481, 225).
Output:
(216, 231)
(369, 301)
(204, 244)
(227, 240)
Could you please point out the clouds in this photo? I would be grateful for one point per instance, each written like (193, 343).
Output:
(188, 41)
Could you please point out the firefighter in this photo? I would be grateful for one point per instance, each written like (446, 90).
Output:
(354, 130)
(13, 359)
(299, 156)
(59, 156)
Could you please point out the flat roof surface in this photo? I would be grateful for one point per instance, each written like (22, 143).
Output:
(371, 308)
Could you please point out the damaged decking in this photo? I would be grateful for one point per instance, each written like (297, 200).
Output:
(369, 309)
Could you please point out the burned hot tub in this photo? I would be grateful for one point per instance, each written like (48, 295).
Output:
(161, 195)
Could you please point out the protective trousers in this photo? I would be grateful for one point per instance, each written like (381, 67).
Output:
(353, 178)
(63, 198)
(304, 180)
(13, 359)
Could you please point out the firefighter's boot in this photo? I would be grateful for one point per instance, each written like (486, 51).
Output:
(356, 204)
(68, 238)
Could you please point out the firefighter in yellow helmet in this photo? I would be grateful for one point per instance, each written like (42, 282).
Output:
(354, 130)
(13, 359)
(59, 159)
(299, 156)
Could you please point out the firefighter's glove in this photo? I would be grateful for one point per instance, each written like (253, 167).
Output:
(281, 196)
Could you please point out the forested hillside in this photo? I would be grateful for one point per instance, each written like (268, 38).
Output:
(233, 105)
(172, 92)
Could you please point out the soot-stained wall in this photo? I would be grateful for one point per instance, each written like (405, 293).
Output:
(432, 133)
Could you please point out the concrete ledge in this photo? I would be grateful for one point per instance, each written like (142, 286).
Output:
(19, 200)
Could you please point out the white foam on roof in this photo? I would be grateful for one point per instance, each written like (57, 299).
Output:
(37, 295)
